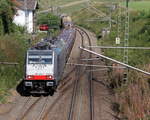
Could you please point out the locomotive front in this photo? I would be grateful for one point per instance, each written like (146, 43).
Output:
(39, 75)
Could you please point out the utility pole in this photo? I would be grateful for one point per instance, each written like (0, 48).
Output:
(111, 8)
(119, 24)
(118, 38)
(126, 39)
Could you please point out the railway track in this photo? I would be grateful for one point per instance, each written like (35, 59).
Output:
(82, 33)
(76, 84)
(25, 111)
(90, 77)
(39, 117)
(45, 109)
(44, 115)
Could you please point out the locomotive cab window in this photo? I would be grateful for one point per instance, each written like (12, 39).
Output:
(40, 60)
(40, 57)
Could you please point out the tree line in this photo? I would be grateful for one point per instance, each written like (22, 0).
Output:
(7, 12)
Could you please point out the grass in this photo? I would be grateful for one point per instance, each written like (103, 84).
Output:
(12, 49)
(55, 2)
(48, 3)
(139, 5)
(137, 87)
(72, 9)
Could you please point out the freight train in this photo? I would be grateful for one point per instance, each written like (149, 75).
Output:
(45, 61)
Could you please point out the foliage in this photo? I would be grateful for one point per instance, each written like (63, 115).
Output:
(12, 49)
(132, 97)
(45, 4)
(140, 5)
(51, 20)
(1, 27)
(6, 16)
(134, 100)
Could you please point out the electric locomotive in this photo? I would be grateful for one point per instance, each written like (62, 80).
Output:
(45, 62)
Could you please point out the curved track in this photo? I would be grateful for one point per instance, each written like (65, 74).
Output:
(61, 87)
(76, 84)
(83, 34)
(73, 92)
(90, 78)
(24, 112)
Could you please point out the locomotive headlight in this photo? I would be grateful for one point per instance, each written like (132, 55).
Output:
(29, 77)
(50, 77)
(29, 84)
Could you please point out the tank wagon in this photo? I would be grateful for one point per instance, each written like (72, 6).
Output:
(45, 63)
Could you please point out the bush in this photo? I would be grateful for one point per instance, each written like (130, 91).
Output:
(1, 27)
(6, 15)
(51, 20)
(12, 49)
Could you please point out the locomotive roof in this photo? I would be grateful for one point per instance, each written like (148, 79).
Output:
(50, 43)
(40, 52)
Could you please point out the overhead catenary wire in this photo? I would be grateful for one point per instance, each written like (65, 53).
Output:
(112, 47)
(91, 59)
(89, 65)
(121, 63)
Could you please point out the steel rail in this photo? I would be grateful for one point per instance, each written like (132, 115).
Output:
(70, 72)
(29, 109)
(25, 103)
(121, 63)
(81, 34)
(73, 99)
(43, 109)
(75, 88)
(112, 47)
(51, 107)
(90, 80)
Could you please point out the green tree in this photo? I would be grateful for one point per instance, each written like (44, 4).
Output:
(51, 20)
(6, 15)
(1, 27)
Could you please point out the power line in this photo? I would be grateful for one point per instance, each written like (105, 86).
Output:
(112, 47)
(121, 63)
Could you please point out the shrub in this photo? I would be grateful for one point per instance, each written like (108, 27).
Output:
(51, 20)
